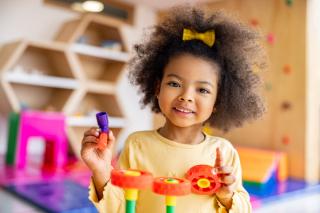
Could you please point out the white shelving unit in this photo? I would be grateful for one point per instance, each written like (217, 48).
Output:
(100, 52)
(85, 121)
(65, 75)
(41, 80)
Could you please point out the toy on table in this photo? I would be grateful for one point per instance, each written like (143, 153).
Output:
(171, 187)
(131, 181)
(203, 181)
(103, 123)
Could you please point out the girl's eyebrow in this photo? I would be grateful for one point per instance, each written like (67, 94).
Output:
(201, 82)
(205, 82)
(173, 75)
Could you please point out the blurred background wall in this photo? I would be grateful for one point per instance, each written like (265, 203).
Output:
(291, 123)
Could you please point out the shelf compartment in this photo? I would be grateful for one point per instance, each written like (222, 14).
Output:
(101, 68)
(94, 30)
(98, 102)
(101, 87)
(42, 98)
(47, 58)
(96, 33)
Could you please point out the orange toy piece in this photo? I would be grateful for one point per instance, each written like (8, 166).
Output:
(103, 122)
(131, 179)
(202, 180)
(171, 186)
(103, 140)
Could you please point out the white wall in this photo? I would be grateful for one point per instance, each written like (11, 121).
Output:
(138, 119)
(33, 20)
(313, 92)
(30, 19)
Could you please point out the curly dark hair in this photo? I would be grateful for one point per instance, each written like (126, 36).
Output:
(237, 52)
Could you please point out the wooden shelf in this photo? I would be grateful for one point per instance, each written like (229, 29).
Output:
(74, 74)
(39, 98)
(100, 52)
(45, 57)
(101, 87)
(41, 80)
(89, 121)
(93, 30)
(93, 101)
(100, 69)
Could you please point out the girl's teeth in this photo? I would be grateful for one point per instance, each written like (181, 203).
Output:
(183, 110)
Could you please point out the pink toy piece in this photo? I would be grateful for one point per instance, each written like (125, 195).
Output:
(50, 126)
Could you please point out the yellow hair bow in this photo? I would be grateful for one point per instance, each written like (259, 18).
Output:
(207, 37)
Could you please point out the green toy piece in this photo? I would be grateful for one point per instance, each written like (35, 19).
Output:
(13, 128)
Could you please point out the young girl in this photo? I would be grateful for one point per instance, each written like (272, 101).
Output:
(194, 69)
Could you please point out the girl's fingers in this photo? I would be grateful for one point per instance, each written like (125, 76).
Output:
(92, 132)
(223, 170)
(218, 161)
(111, 140)
(88, 144)
(90, 139)
(227, 180)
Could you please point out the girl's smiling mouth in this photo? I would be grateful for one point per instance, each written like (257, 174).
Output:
(183, 110)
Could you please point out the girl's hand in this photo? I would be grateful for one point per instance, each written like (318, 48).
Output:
(98, 160)
(227, 180)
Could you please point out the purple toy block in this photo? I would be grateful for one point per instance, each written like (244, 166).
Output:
(60, 196)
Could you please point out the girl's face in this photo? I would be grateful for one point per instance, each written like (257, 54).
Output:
(188, 90)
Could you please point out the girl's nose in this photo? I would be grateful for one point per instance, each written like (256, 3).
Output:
(182, 98)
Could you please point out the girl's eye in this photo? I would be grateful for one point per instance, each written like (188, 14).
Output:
(204, 91)
(173, 84)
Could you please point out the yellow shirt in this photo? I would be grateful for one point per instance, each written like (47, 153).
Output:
(149, 151)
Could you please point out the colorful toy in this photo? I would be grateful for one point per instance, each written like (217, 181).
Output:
(131, 181)
(262, 167)
(103, 123)
(13, 127)
(171, 187)
(48, 125)
(203, 181)
(55, 196)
